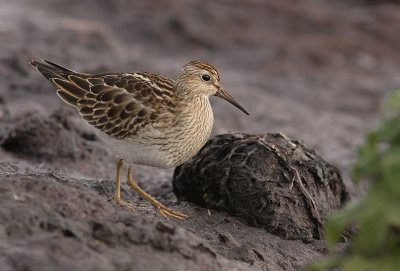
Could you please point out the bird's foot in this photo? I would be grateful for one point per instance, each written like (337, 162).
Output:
(122, 203)
(167, 212)
(164, 210)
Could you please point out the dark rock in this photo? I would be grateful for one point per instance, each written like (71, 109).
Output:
(267, 180)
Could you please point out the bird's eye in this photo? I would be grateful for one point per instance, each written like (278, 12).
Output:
(205, 77)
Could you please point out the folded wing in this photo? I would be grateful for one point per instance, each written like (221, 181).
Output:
(117, 104)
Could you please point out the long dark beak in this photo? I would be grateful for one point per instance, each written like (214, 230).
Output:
(226, 96)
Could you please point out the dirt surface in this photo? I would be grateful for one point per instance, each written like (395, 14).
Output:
(313, 70)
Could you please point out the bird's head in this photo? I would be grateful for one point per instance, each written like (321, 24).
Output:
(200, 79)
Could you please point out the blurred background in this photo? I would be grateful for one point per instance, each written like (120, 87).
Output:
(315, 70)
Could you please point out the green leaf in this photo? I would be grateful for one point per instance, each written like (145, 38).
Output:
(338, 221)
(376, 242)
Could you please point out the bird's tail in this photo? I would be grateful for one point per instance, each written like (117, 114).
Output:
(71, 86)
(51, 70)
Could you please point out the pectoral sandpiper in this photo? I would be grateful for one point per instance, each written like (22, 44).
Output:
(146, 118)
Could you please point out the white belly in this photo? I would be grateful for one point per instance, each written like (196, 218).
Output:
(136, 153)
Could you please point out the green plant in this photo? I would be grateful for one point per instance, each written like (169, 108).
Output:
(375, 244)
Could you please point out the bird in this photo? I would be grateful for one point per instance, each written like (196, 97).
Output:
(145, 118)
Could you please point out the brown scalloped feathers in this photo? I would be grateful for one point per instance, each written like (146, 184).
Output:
(117, 104)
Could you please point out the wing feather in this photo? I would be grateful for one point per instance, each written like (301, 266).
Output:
(117, 104)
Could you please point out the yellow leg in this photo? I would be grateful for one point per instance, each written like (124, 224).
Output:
(117, 193)
(164, 211)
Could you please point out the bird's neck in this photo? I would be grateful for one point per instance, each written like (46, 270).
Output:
(197, 121)
(186, 92)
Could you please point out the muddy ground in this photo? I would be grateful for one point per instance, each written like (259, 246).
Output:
(314, 70)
